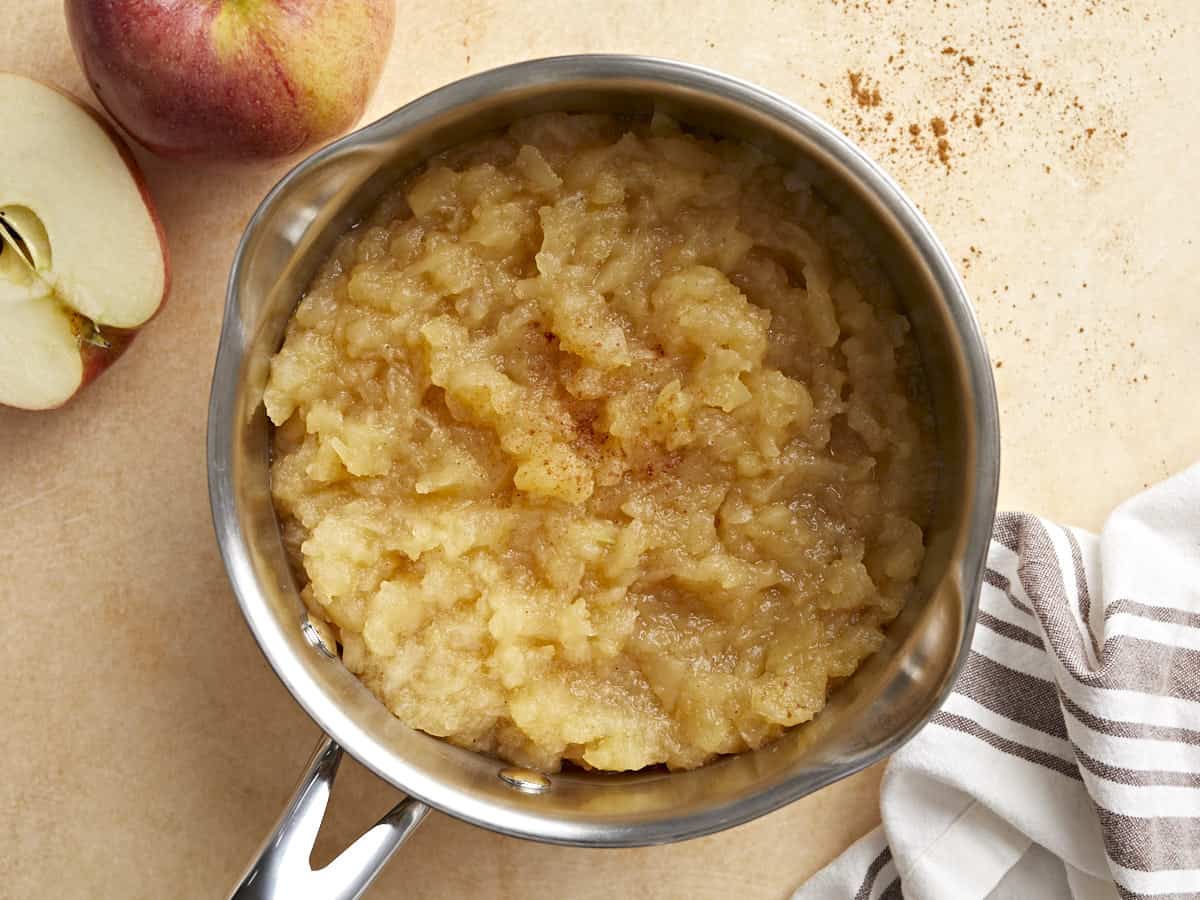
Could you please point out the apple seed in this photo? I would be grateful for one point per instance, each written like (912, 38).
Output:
(10, 240)
(27, 234)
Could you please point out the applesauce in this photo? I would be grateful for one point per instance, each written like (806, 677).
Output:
(602, 442)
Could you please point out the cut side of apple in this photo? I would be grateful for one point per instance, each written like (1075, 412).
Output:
(82, 259)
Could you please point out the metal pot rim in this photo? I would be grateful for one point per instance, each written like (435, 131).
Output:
(226, 408)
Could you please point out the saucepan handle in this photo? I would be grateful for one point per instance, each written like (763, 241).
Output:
(282, 870)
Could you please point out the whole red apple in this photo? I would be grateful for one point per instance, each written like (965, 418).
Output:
(227, 79)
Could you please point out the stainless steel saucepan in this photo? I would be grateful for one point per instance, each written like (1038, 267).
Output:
(873, 713)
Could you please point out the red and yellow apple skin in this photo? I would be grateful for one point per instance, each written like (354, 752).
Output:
(230, 79)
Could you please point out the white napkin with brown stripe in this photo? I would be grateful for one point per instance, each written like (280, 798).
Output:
(1066, 763)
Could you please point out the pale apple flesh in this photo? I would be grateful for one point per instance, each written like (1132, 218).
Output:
(41, 365)
(82, 260)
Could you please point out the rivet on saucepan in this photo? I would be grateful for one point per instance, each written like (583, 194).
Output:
(313, 634)
(526, 781)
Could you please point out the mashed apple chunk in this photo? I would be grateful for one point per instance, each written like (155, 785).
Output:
(602, 442)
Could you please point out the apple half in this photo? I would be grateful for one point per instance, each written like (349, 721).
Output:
(83, 262)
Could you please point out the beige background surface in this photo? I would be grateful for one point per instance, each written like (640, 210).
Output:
(147, 746)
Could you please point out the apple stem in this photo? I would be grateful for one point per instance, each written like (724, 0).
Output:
(96, 338)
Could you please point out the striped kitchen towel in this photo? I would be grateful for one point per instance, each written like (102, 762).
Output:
(1066, 763)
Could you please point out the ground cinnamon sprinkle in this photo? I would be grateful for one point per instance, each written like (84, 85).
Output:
(967, 88)
(865, 94)
(943, 152)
